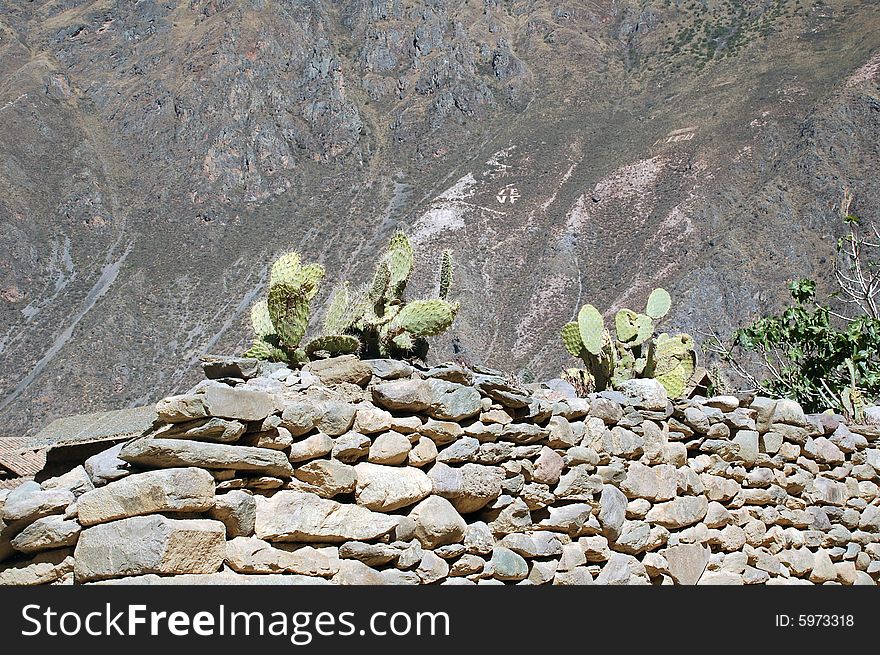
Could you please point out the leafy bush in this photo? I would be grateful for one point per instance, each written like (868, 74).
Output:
(810, 352)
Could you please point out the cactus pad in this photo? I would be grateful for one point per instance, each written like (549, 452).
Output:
(334, 344)
(592, 328)
(659, 303)
(260, 319)
(289, 310)
(571, 338)
(425, 318)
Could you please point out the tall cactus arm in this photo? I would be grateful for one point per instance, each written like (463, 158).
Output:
(289, 311)
(445, 274)
(400, 258)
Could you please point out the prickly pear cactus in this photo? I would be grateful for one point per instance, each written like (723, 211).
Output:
(289, 311)
(333, 345)
(632, 328)
(592, 329)
(672, 362)
(260, 319)
(659, 303)
(400, 258)
(635, 352)
(374, 321)
(424, 318)
(571, 339)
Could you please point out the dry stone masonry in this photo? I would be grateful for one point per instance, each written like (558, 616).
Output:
(376, 472)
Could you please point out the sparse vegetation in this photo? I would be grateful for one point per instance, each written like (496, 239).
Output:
(810, 352)
(635, 351)
(374, 321)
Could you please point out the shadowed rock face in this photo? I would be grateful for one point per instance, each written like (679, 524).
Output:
(155, 155)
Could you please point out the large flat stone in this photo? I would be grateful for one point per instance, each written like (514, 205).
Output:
(47, 533)
(168, 490)
(29, 502)
(252, 555)
(436, 398)
(306, 517)
(387, 488)
(238, 403)
(170, 453)
(149, 544)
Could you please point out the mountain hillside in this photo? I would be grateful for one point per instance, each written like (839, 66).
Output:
(156, 154)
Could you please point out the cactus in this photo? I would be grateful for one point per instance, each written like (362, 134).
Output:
(400, 258)
(333, 344)
(671, 362)
(374, 321)
(632, 328)
(424, 318)
(659, 303)
(445, 274)
(260, 319)
(592, 329)
(289, 311)
(634, 353)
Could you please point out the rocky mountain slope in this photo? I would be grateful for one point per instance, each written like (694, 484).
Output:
(156, 154)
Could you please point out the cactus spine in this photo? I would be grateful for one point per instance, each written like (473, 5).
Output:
(633, 352)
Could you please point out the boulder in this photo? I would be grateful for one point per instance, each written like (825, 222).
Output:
(353, 572)
(369, 419)
(612, 511)
(237, 403)
(76, 481)
(350, 447)
(44, 568)
(313, 447)
(646, 393)
(106, 466)
(687, 562)
(390, 448)
(423, 453)
(470, 487)
(170, 453)
(387, 488)
(149, 544)
(335, 418)
(680, 512)
(153, 492)
(29, 502)
(437, 522)
(327, 477)
(306, 517)
(237, 510)
(339, 370)
(437, 398)
(206, 429)
(252, 555)
(548, 467)
(47, 533)
(508, 565)
(182, 408)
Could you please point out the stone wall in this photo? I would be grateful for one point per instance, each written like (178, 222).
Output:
(373, 472)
